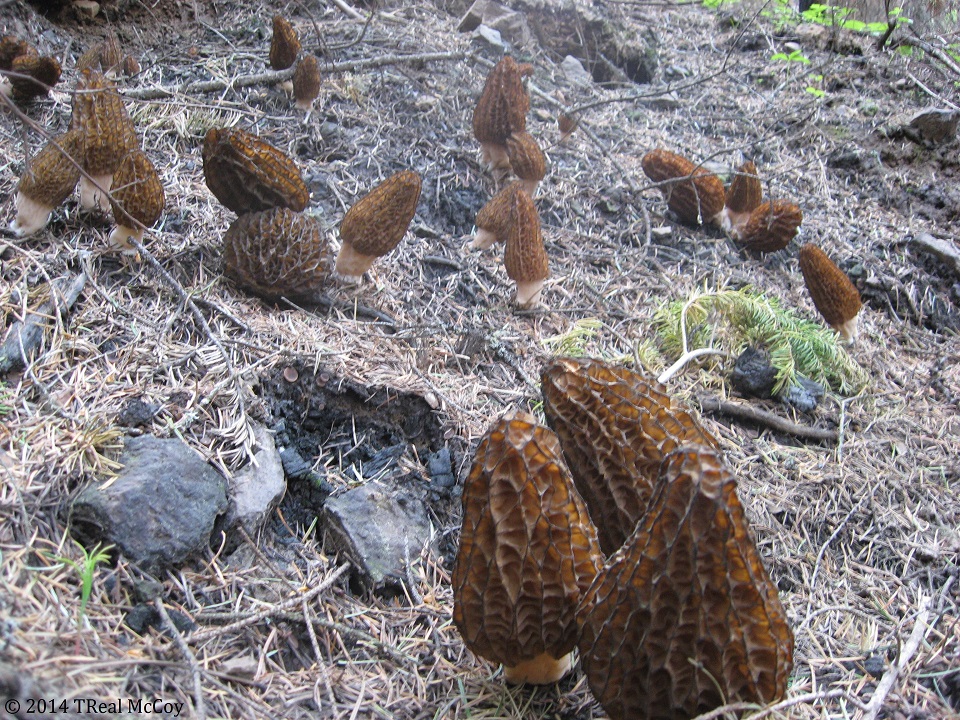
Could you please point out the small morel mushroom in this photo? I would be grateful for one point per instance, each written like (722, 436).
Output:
(376, 224)
(90, 58)
(12, 47)
(501, 110)
(137, 198)
(684, 618)
(277, 253)
(494, 218)
(770, 227)
(247, 174)
(834, 295)
(108, 135)
(32, 76)
(567, 124)
(527, 160)
(525, 257)
(110, 55)
(49, 179)
(744, 195)
(615, 426)
(694, 194)
(306, 83)
(528, 551)
(284, 45)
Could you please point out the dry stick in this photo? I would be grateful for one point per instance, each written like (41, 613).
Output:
(272, 610)
(934, 51)
(782, 705)
(199, 708)
(272, 77)
(321, 666)
(889, 679)
(767, 419)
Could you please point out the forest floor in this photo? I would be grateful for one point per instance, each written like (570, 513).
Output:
(861, 534)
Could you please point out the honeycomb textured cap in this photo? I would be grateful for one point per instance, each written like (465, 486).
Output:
(90, 59)
(376, 223)
(526, 157)
(247, 174)
(137, 192)
(695, 195)
(35, 75)
(615, 426)
(494, 216)
(284, 45)
(746, 192)
(525, 257)
(834, 295)
(771, 226)
(110, 54)
(52, 175)
(306, 81)
(503, 106)
(12, 47)
(277, 253)
(684, 618)
(108, 131)
(528, 550)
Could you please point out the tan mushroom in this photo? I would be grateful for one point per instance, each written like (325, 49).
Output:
(527, 553)
(277, 253)
(284, 45)
(137, 199)
(694, 194)
(834, 295)
(684, 618)
(770, 227)
(501, 111)
(526, 160)
(376, 224)
(248, 174)
(744, 195)
(494, 218)
(31, 76)
(12, 47)
(306, 83)
(49, 179)
(525, 257)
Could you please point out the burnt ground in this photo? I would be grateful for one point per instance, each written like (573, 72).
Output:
(861, 534)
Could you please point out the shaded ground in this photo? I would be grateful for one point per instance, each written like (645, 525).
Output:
(861, 536)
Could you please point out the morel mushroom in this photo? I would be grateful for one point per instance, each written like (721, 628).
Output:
(770, 227)
(525, 257)
(376, 224)
(49, 179)
(526, 160)
(248, 174)
(32, 76)
(494, 218)
(744, 195)
(285, 44)
(277, 253)
(694, 194)
(501, 111)
(137, 198)
(834, 295)
(615, 426)
(684, 618)
(306, 83)
(12, 47)
(528, 551)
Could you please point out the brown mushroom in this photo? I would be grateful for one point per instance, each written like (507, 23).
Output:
(834, 295)
(525, 257)
(744, 195)
(12, 47)
(615, 426)
(376, 224)
(527, 553)
(306, 83)
(49, 179)
(284, 45)
(526, 160)
(770, 227)
(31, 76)
(137, 198)
(111, 56)
(277, 253)
(494, 218)
(248, 174)
(685, 618)
(694, 194)
(567, 124)
(501, 110)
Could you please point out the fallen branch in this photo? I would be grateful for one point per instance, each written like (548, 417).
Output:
(766, 419)
(944, 250)
(199, 708)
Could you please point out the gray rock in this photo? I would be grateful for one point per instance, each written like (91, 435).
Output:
(489, 35)
(256, 489)
(511, 26)
(378, 529)
(574, 71)
(934, 125)
(159, 509)
(805, 395)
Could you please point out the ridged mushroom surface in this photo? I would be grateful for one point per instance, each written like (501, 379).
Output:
(526, 160)
(494, 217)
(248, 174)
(744, 195)
(615, 426)
(33, 76)
(832, 292)
(284, 45)
(306, 82)
(137, 198)
(49, 179)
(770, 227)
(684, 618)
(501, 110)
(376, 223)
(527, 553)
(525, 257)
(696, 196)
(277, 253)
(12, 47)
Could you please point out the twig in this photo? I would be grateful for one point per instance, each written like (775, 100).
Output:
(948, 61)
(767, 419)
(199, 708)
(782, 705)
(321, 666)
(688, 356)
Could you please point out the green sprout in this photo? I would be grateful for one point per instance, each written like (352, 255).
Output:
(794, 57)
(86, 568)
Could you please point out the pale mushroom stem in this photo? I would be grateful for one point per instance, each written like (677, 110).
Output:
(31, 215)
(91, 196)
(849, 330)
(528, 293)
(530, 186)
(351, 263)
(482, 240)
(733, 223)
(120, 238)
(305, 104)
(541, 670)
(494, 156)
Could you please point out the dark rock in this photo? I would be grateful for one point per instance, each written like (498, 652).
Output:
(804, 396)
(137, 412)
(440, 468)
(256, 489)
(144, 617)
(753, 375)
(294, 464)
(158, 510)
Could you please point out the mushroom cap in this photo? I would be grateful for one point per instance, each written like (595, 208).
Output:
(377, 222)
(247, 174)
(108, 131)
(746, 192)
(137, 192)
(525, 257)
(834, 295)
(567, 124)
(771, 226)
(12, 47)
(284, 45)
(615, 426)
(527, 551)
(306, 81)
(503, 106)
(277, 253)
(51, 175)
(110, 54)
(494, 216)
(90, 58)
(526, 158)
(33, 75)
(696, 196)
(684, 618)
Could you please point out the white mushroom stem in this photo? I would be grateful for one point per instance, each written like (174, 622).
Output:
(120, 238)
(305, 104)
(541, 670)
(494, 155)
(93, 197)
(528, 293)
(32, 215)
(732, 222)
(351, 263)
(849, 330)
(482, 240)
(530, 186)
